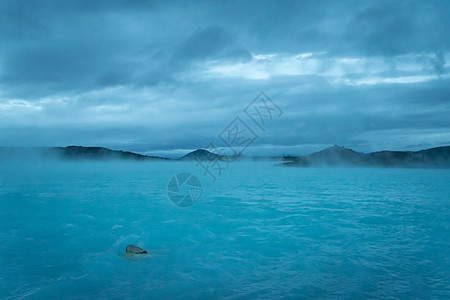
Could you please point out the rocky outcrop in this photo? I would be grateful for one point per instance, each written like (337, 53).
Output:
(132, 249)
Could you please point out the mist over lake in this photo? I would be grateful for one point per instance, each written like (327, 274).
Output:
(259, 231)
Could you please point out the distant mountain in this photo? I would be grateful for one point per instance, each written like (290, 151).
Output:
(72, 153)
(438, 157)
(98, 153)
(202, 154)
(335, 156)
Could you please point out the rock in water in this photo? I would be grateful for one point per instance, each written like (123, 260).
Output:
(132, 249)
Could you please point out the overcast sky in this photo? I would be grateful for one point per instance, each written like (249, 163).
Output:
(165, 77)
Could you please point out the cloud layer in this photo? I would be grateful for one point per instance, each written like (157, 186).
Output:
(158, 76)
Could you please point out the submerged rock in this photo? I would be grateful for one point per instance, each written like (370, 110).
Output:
(132, 249)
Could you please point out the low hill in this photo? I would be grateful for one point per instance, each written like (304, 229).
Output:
(438, 157)
(201, 154)
(71, 153)
(98, 153)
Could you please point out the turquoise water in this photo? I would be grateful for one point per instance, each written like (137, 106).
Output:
(258, 232)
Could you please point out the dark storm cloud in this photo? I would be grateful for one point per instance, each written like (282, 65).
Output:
(87, 45)
(397, 27)
(148, 74)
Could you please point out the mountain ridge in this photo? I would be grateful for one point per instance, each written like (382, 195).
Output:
(437, 157)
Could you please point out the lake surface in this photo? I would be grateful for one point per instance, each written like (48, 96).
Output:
(258, 232)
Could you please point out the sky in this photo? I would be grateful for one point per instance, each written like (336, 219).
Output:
(167, 77)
